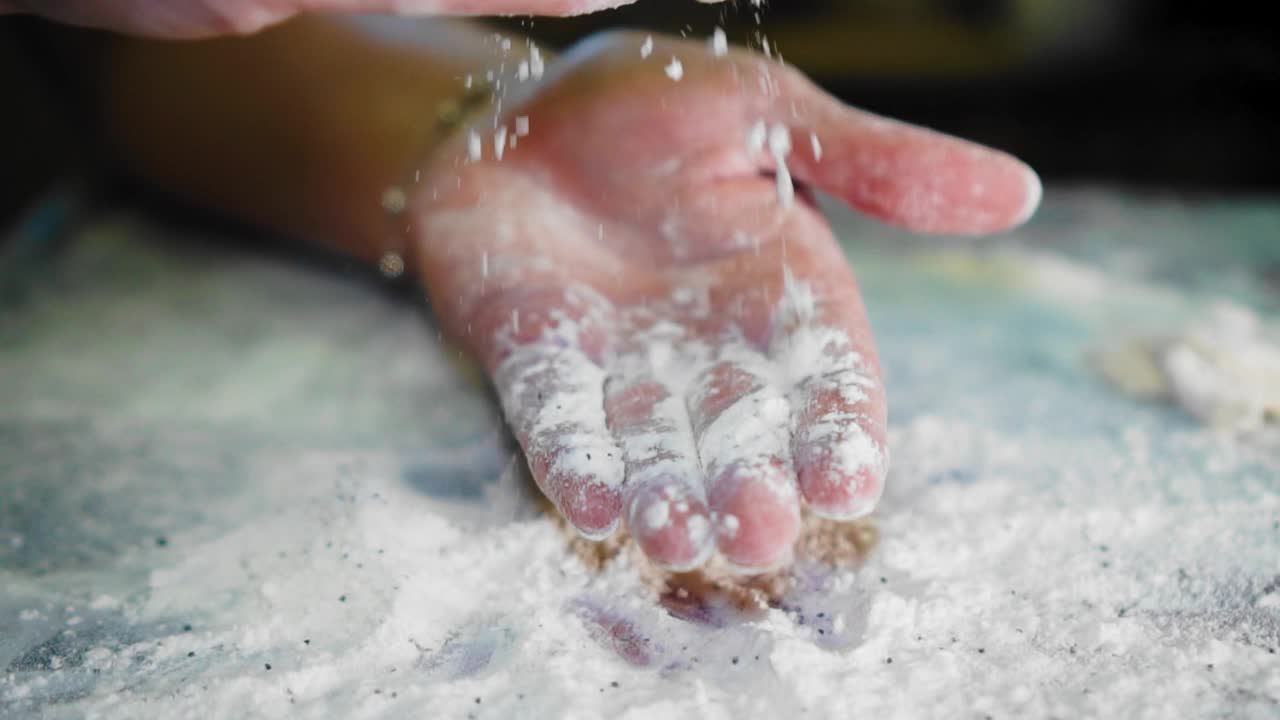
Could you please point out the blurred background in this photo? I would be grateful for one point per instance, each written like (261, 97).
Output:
(1123, 92)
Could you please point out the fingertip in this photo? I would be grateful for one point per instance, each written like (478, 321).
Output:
(758, 517)
(842, 474)
(1033, 191)
(916, 178)
(673, 530)
(593, 509)
(979, 191)
(838, 494)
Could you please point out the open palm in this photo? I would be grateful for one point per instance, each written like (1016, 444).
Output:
(677, 340)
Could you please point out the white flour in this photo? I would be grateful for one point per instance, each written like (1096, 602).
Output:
(1048, 547)
(674, 69)
(981, 600)
(719, 43)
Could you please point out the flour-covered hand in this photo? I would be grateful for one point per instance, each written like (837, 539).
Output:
(677, 340)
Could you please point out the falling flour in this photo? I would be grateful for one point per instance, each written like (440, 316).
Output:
(536, 65)
(719, 43)
(499, 142)
(777, 139)
(779, 148)
(757, 135)
(674, 69)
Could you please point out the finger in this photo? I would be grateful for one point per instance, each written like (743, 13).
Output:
(553, 399)
(664, 502)
(518, 293)
(740, 420)
(822, 342)
(899, 173)
(552, 392)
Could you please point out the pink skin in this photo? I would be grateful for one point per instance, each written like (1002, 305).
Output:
(629, 402)
(631, 185)
(204, 18)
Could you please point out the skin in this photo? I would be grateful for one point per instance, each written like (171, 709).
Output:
(207, 18)
(554, 264)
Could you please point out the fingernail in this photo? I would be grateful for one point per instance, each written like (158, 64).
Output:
(1033, 190)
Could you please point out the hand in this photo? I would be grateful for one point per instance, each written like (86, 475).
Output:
(202, 18)
(675, 343)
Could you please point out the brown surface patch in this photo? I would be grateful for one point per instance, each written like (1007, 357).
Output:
(701, 595)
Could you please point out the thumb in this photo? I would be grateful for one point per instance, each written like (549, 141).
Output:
(902, 174)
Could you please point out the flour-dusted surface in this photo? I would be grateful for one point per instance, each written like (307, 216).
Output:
(234, 486)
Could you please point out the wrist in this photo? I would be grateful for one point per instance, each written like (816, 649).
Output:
(451, 116)
(483, 121)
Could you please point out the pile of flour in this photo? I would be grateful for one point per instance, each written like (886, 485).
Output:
(1224, 368)
(360, 597)
(295, 503)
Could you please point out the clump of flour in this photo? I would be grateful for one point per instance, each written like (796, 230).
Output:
(674, 69)
(719, 43)
(777, 139)
(1223, 368)
(780, 148)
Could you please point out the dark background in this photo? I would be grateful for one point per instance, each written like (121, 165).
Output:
(1179, 94)
(1174, 95)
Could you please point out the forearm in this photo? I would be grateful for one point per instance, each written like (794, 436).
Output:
(300, 128)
